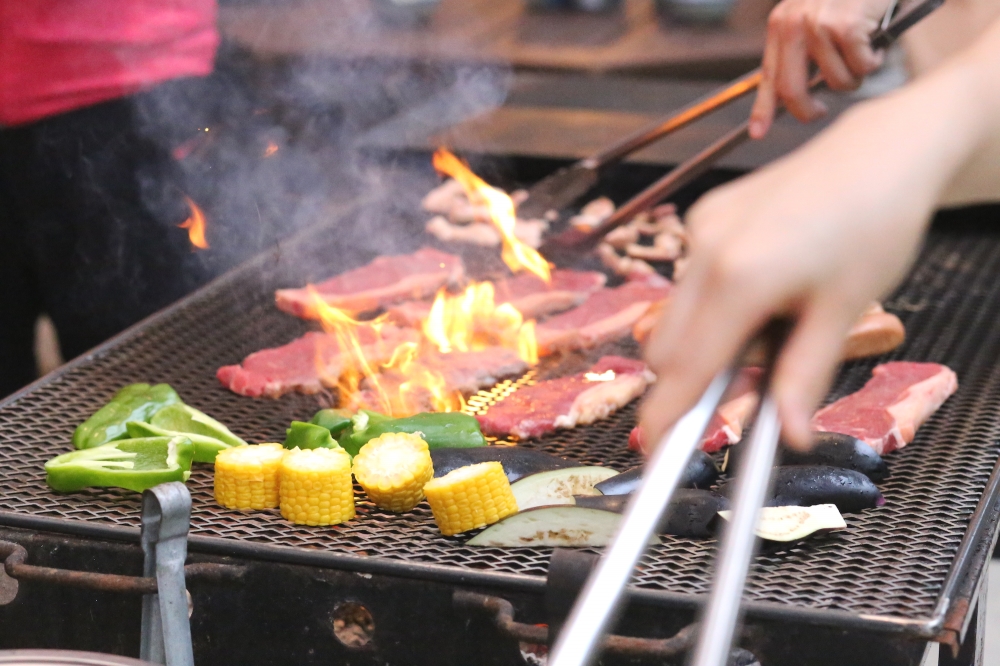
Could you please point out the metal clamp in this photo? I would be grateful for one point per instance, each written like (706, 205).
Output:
(166, 631)
(502, 612)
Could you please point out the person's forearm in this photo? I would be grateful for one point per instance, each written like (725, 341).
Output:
(946, 32)
(947, 124)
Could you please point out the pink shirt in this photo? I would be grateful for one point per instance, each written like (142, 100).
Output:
(60, 55)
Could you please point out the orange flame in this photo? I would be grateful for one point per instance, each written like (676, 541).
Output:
(396, 375)
(373, 374)
(195, 225)
(471, 321)
(516, 254)
(271, 149)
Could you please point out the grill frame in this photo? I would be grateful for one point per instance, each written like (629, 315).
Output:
(959, 587)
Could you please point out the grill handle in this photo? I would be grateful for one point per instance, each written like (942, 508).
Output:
(502, 612)
(14, 556)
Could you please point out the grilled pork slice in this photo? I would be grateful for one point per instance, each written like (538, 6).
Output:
(877, 332)
(568, 401)
(529, 295)
(307, 364)
(726, 426)
(384, 281)
(887, 411)
(609, 314)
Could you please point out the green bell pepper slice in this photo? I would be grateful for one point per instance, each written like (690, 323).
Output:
(308, 436)
(184, 418)
(438, 429)
(334, 420)
(205, 448)
(136, 402)
(133, 464)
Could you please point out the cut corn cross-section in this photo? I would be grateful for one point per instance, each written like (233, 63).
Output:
(246, 477)
(470, 497)
(393, 469)
(316, 486)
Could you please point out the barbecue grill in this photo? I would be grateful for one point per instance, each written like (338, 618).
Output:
(380, 588)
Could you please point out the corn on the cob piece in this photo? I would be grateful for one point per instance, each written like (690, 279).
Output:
(393, 468)
(470, 497)
(316, 486)
(246, 477)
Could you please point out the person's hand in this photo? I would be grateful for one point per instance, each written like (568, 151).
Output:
(833, 34)
(817, 236)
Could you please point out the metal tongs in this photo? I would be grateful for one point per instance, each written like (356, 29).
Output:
(600, 598)
(564, 186)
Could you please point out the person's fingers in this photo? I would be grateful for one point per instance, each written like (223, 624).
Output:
(806, 365)
(829, 59)
(762, 113)
(792, 79)
(709, 313)
(855, 47)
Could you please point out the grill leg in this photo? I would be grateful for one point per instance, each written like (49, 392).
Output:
(971, 652)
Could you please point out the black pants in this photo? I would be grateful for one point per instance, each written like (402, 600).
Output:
(89, 207)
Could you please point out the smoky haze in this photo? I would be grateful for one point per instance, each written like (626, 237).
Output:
(268, 148)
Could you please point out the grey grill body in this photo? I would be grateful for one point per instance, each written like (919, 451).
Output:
(901, 568)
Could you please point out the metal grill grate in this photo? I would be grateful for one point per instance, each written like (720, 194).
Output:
(891, 561)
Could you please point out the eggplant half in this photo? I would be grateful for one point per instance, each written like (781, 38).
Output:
(556, 526)
(691, 512)
(558, 486)
(700, 472)
(517, 461)
(829, 448)
(808, 485)
(794, 523)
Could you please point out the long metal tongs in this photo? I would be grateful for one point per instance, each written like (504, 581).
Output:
(567, 245)
(600, 598)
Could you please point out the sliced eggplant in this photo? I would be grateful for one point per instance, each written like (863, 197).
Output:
(701, 472)
(555, 526)
(558, 486)
(808, 485)
(517, 461)
(691, 513)
(794, 523)
(829, 448)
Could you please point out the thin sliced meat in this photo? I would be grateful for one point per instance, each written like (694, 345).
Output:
(384, 281)
(889, 409)
(532, 297)
(568, 401)
(877, 332)
(609, 314)
(464, 372)
(305, 365)
(729, 420)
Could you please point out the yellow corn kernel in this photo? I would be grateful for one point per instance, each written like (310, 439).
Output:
(246, 477)
(393, 468)
(470, 497)
(316, 486)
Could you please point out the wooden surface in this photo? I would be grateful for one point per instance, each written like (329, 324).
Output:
(633, 39)
(567, 117)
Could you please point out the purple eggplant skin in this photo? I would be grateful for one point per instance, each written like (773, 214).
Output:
(837, 450)
(691, 513)
(517, 461)
(808, 485)
(829, 448)
(701, 472)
